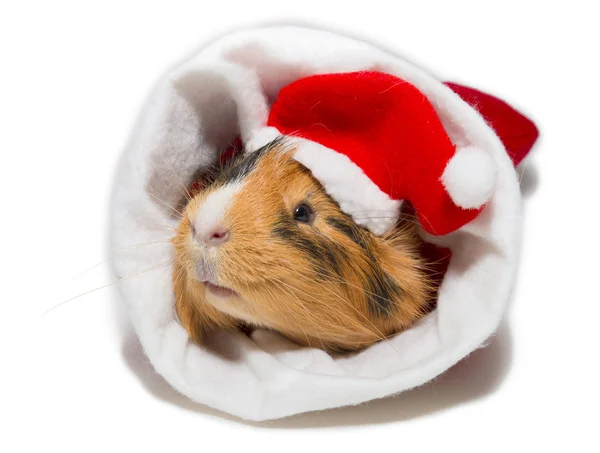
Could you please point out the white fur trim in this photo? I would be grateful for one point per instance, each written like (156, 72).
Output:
(182, 127)
(346, 183)
(261, 137)
(470, 177)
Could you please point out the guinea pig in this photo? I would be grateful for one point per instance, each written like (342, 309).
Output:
(264, 246)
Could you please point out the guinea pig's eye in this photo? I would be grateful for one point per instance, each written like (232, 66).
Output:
(303, 213)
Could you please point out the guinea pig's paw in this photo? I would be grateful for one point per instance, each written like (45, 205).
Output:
(274, 343)
(296, 356)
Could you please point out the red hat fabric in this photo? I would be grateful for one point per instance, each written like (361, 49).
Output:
(517, 132)
(374, 140)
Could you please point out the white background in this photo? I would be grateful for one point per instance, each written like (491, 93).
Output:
(73, 76)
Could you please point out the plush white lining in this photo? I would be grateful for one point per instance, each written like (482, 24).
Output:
(200, 107)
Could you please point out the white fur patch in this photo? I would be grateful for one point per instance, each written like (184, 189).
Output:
(213, 210)
(347, 184)
(226, 306)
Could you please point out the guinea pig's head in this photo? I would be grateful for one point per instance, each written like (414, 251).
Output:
(264, 245)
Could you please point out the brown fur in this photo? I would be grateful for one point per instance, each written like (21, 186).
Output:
(328, 284)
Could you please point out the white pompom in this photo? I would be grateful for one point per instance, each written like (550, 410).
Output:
(261, 137)
(470, 177)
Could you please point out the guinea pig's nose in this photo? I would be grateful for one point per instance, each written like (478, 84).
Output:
(215, 235)
(218, 235)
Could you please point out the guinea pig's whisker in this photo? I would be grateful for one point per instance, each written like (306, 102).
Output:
(428, 265)
(344, 282)
(306, 311)
(186, 192)
(181, 272)
(294, 316)
(105, 286)
(343, 299)
(182, 129)
(179, 213)
(400, 220)
(367, 210)
(380, 334)
(375, 217)
(429, 223)
(177, 275)
(172, 231)
(385, 213)
(307, 314)
(116, 253)
(339, 297)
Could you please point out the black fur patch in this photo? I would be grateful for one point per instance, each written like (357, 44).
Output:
(382, 290)
(318, 249)
(242, 165)
(327, 257)
(349, 228)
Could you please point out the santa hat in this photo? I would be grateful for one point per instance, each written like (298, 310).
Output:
(374, 141)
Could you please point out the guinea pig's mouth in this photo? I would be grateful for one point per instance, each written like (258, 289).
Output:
(206, 273)
(220, 291)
